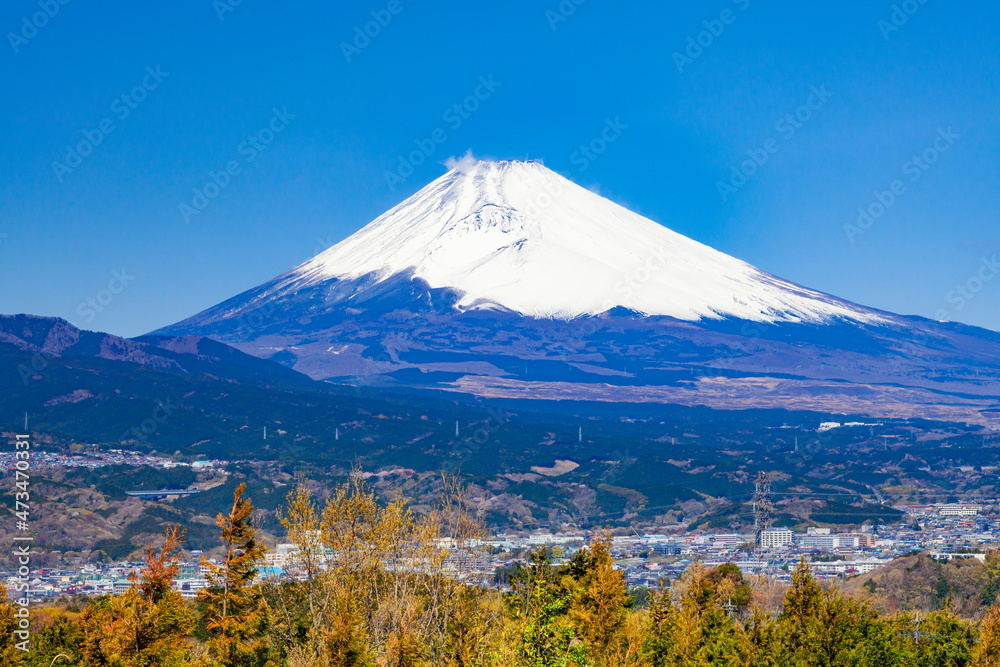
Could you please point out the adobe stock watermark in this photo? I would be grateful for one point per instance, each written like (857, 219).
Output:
(749, 331)
(642, 273)
(551, 189)
(620, 462)
(121, 107)
(31, 24)
(471, 444)
(33, 369)
(21, 547)
(630, 283)
(697, 43)
(323, 244)
(99, 302)
(454, 117)
(966, 291)
(248, 151)
(252, 320)
(364, 34)
(786, 127)
(587, 153)
(562, 12)
(161, 413)
(913, 169)
(223, 7)
(900, 16)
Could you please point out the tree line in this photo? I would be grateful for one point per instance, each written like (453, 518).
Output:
(381, 586)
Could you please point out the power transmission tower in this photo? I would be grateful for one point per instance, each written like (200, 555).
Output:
(761, 506)
(729, 608)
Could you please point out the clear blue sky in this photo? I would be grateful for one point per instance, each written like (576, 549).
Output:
(884, 94)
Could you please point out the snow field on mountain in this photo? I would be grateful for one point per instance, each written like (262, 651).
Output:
(518, 235)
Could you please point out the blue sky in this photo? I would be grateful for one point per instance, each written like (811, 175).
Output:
(162, 96)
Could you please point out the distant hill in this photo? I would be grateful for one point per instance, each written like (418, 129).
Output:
(49, 338)
(532, 463)
(186, 394)
(918, 582)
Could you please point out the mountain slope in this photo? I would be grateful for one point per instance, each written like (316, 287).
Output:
(506, 279)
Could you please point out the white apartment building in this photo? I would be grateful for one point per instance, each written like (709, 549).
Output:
(819, 541)
(841, 566)
(957, 509)
(729, 541)
(776, 538)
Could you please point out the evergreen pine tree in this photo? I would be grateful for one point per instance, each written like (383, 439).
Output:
(146, 625)
(236, 616)
(541, 604)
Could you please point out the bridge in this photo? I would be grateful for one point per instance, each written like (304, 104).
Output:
(160, 494)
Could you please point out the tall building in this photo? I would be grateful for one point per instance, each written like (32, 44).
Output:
(775, 538)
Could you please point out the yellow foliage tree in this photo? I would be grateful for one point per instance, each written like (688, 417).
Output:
(383, 584)
(599, 608)
(9, 653)
(987, 651)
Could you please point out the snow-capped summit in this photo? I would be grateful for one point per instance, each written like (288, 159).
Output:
(517, 236)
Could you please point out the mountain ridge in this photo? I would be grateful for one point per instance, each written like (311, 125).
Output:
(50, 338)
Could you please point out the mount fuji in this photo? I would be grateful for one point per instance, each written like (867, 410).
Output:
(504, 279)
